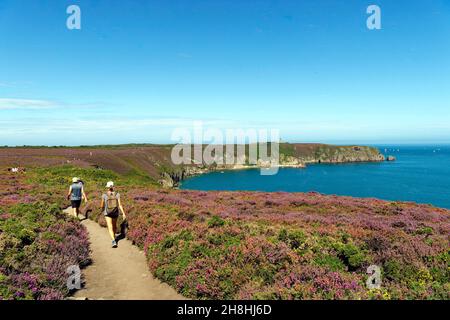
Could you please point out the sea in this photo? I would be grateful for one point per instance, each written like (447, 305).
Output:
(420, 174)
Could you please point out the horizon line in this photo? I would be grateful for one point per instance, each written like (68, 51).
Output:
(386, 143)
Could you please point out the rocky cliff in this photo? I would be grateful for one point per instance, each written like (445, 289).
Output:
(154, 161)
(322, 153)
(291, 155)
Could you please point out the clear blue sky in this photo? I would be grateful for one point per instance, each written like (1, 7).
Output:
(138, 69)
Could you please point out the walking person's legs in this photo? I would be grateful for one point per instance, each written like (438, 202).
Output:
(114, 223)
(75, 207)
(111, 223)
(78, 211)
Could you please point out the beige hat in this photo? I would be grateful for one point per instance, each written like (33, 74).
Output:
(110, 184)
(75, 179)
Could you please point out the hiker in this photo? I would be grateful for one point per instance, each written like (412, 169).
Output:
(75, 195)
(110, 206)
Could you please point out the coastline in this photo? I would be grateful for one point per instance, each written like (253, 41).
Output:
(350, 154)
(212, 219)
(153, 162)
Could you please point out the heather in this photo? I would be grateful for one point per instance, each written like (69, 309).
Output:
(148, 161)
(37, 242)
(249, 245)
(253, 245)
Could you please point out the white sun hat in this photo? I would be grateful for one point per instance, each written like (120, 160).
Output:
(110, 184)
(75, 179)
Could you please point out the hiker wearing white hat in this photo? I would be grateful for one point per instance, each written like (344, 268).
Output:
(76, 194)
(111, 207)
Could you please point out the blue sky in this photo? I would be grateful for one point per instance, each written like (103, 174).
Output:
(138, 69)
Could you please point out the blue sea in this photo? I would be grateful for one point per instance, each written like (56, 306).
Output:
(420, 174)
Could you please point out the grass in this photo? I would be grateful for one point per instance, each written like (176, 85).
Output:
(94, 178)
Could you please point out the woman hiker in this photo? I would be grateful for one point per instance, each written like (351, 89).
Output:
(75, 195)
(110, 206)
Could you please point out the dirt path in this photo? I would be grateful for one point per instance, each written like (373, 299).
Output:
(121, 273)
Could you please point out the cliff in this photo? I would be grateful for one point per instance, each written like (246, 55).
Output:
(296, 155)
(323, 153)
(154, 161)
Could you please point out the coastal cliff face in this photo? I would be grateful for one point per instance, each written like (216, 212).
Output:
(336, 154)
(171, 178)
(154, 161)
(291, 155)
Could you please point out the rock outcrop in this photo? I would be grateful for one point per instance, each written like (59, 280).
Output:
(155, 161)
(337, 154)
(291, 155)
(390, 158)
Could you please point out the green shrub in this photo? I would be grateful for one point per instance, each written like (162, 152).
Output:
(331, 262)
(425, 231)
(295, 238)
(215, 221)
(351, 255)
(392, 270)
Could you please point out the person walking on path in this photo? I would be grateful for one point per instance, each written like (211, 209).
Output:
(76, 195)
(110, 206)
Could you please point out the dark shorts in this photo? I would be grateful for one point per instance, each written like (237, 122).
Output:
(113, 215)
(76, 203)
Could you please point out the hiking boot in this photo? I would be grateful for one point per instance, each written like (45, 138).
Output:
(114, 244)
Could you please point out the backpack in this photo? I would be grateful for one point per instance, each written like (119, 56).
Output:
(112, 204)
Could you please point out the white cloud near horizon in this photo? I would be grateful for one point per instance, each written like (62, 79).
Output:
(40, 104)
(54, 125)
(154, 125)
(20, 104)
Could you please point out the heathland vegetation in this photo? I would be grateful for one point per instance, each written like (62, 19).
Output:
(37, 241)
(218, 245)
(154, 161)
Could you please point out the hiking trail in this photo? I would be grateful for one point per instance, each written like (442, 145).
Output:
(119, 273)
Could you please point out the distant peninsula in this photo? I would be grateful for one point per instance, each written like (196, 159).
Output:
(154, 160)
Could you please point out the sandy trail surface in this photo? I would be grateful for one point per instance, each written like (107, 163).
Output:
(119, 273)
